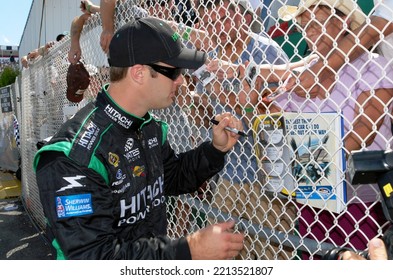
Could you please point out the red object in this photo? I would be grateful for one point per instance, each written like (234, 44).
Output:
(281, 30)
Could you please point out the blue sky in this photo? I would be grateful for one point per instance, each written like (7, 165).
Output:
(13, 16)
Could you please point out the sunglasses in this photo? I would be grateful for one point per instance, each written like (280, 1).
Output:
(171, 73)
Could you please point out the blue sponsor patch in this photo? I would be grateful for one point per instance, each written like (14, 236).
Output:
(73, 205)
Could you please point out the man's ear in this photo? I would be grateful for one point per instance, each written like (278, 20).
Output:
(136, 73)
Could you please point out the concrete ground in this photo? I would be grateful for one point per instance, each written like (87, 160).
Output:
(19, 238)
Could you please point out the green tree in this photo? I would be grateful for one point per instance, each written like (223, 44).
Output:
(8, 76)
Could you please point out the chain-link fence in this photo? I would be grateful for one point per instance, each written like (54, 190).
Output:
(9, 131)
(285, 183)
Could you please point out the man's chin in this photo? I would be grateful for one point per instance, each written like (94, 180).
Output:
(164, 106)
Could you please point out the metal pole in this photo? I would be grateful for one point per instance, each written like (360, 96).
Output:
(278, 237)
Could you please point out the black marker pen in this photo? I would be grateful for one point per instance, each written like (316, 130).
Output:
(241, 133)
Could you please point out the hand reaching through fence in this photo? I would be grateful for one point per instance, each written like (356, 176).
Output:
(216, 242)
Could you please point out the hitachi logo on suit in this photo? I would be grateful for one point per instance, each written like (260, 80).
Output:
(118, 117)
(89, 136)
(140, 204)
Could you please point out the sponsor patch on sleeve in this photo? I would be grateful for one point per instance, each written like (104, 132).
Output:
(73, 205)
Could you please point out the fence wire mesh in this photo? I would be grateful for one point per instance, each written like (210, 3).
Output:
(285, 183)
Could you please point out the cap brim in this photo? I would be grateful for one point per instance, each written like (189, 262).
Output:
(187, 59)
(288, 12)
(71, 96)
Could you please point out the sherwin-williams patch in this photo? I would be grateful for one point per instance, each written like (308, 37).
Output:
(73, 205)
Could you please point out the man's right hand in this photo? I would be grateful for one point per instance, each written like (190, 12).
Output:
(308, 83)
(74, 55)
(215, 242)
(376, 250)
(105, 39)
(25, 62)
(83, 6)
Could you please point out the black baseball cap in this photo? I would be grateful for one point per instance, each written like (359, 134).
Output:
(150, 40)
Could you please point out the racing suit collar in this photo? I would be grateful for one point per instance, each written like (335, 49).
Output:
(122, 119)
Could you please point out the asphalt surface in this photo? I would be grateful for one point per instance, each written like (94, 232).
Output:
(19, 238)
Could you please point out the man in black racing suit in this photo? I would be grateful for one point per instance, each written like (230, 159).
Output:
(104, 175)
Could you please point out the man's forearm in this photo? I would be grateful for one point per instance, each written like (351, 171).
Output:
(77, 26)
(107, 9)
